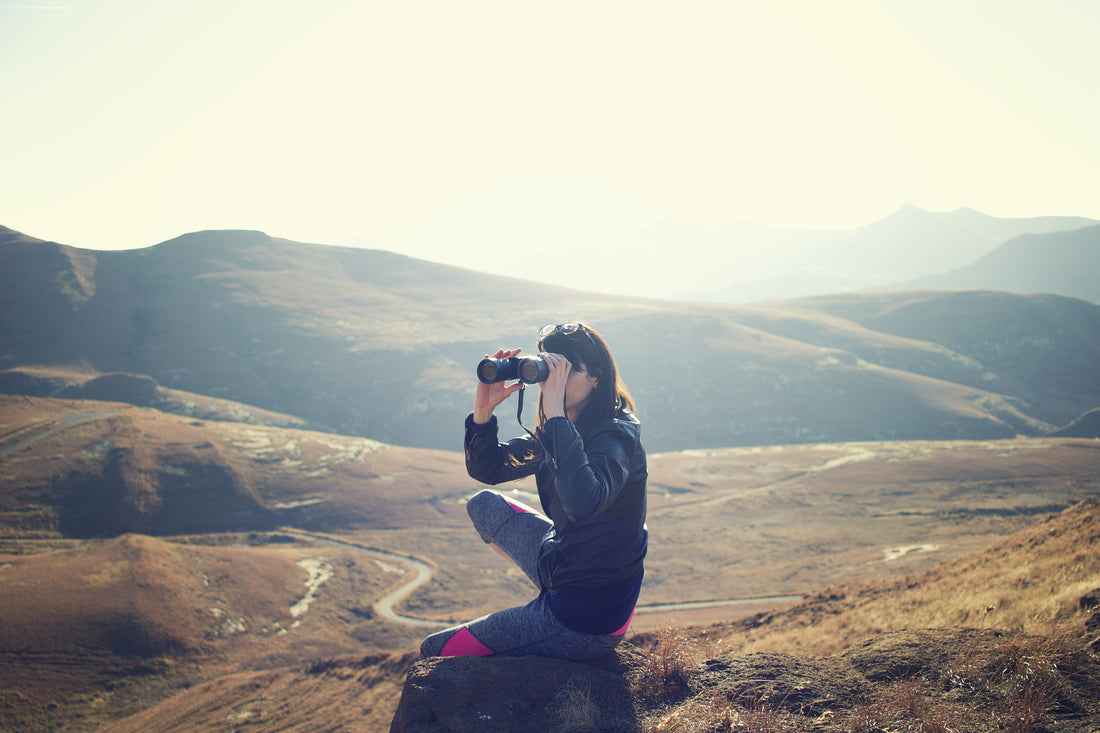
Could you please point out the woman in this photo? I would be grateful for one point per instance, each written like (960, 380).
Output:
(585, 554)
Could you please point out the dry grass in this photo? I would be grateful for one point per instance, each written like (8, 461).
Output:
(906, 705)
(666, 664)
(1025, 681)
(665, 669)
(1034, 671)
(708, 713)
(1028, 583)
(1008, 684)
(573, 710)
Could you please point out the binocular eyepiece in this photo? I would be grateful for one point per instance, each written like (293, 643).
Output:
(527, 369)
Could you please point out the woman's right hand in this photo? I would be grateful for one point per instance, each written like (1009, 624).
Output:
(488, 396)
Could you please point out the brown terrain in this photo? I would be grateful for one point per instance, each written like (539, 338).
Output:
(1022, 663)
(180, 591)
(231, 498)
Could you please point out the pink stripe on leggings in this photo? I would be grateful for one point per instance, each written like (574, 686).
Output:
(464, 644)
(518, 506)
(625, 626)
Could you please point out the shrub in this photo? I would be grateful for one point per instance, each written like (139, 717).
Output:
(666, 668)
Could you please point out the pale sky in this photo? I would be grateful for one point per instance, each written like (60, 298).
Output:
(125, 123)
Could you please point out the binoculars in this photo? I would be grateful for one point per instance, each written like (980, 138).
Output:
(527, 369)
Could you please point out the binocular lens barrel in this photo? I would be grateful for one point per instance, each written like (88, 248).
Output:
(527, 369)
(533, 369)
(494, 370)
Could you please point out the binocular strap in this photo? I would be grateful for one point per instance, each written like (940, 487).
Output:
(519, 411)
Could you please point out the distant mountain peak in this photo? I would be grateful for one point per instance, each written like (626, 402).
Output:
(910, 212)
(220, 236)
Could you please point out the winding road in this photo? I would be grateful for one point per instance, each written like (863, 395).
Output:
(423, 573)
(385, 606)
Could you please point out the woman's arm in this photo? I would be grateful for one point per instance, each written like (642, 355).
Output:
(492, 462)
(589, 478)
(487, 460)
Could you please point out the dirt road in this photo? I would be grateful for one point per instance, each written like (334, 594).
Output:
(423, 573)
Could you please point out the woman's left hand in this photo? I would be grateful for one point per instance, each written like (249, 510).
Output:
(553, 389)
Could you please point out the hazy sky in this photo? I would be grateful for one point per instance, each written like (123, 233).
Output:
(129, 122)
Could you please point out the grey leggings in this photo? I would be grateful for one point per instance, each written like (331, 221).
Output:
(532, 629)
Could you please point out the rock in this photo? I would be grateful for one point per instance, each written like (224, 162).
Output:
(1089, 600)
(509, 694)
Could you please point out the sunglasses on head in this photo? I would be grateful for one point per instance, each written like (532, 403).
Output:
(566, 329)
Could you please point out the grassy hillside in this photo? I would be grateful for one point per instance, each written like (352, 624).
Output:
(107, 626)
(89, 469)
(373, 344)
(1030, 583)
(1037, 353)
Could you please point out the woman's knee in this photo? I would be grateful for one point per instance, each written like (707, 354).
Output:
(483, 507)
(430, 647)
(482, 501)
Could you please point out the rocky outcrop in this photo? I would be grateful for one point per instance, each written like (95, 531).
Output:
(977, 679)
(509, 694)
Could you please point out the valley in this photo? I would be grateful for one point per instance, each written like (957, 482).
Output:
(735, 533)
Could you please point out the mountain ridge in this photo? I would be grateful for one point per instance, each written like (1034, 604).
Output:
(371, 343)
(767, 263)
(1059, 262)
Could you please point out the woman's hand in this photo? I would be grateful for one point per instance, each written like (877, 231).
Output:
(553, 389)
(488, 396)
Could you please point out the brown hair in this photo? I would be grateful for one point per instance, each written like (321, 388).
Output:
(610, 398)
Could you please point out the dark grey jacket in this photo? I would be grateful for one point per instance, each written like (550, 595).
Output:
(593, 490)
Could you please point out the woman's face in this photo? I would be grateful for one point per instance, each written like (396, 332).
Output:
(578, 390)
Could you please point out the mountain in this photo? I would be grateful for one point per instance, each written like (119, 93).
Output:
(1044, 347)
(747, 262)
(378, 345)
(913, 240)
(908, 243)
(1059, 262)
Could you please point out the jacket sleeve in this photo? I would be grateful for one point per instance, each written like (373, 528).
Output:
(492, 462)
(588, 478)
